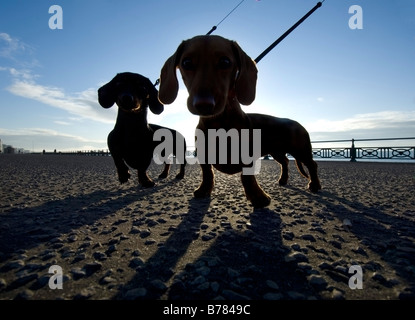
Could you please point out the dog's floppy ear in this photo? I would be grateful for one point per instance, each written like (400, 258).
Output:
(169, 86)
(107, 95)
(153, 102)
(245, 85)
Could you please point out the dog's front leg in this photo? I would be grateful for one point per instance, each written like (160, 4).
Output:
(116, 153)
(165, 172)
(144, 179)
(206, 187)
(253, 191)
(122, 169)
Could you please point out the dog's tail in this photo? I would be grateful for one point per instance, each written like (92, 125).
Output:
(301, 168)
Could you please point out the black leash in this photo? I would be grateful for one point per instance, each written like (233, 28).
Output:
(211, 30)
(318, 5)
(276, 42)
(215, 27)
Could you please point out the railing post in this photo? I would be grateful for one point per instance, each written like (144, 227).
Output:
(353, 152)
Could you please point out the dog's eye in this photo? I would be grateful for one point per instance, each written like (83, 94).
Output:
(187, 64)
(224, 63)
(142, 91)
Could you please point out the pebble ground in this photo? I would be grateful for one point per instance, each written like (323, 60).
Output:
(125, 242)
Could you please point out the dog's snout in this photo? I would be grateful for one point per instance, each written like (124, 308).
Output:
(204, 104)
(127, 99)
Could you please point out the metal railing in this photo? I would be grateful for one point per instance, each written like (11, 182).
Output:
(353, 153)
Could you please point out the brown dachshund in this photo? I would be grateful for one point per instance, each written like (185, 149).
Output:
(219, 75)
(131, 141)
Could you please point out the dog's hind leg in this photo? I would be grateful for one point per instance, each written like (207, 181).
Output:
(254, 193)
(206, 187)
(179, 149)
(144, 179)
(301, 169)
(180, 175)
(314, 184)
(282, 159)
(165, 172)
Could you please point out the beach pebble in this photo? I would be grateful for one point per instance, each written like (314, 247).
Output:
(23, 280)
(288, 235)
(308, 237)
(318, 282)
(296, 295)
(145, 233)
(337, 294)
(135, 230)
(136, 293)
(198, 280)
(26, 294)
(100, 256)
(204, 270)
(296, 257)
(215, 286)
(72, 238)
(232, 295)
(16, 264)
(204, 286)
(347, 223)
(136, 262)
(273, 296)
(271, 284)
(207, 237)
(158, 285)
(77, 273)
(92, 267)
(136, 253)
(233, 273)
(3, 284)
(79, 257)
(335, 244)
(107, 280)
(150, 241)
(84, 294)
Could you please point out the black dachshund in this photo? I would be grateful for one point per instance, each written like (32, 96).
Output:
(131, 141)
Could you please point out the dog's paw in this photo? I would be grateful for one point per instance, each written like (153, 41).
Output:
(202, 193)
(147, 183)
(282, 182)
(123, 177)
(314, 187)
(261, 202)
(163, 175)
(180, 176)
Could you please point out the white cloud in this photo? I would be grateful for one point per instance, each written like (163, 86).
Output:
(40, 138)
(367, 121)
(9, 46)
(63, 123)
(83, 104)
(377, 125)
(13, 49)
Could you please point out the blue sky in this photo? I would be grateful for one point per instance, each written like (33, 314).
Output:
(340, 83)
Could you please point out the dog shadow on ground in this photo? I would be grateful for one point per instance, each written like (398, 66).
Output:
(386, 234)
(237, 265)
(24, 228)
(159, 267)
